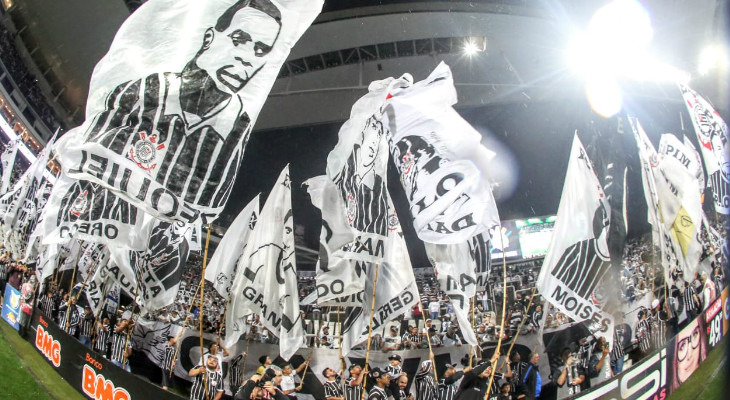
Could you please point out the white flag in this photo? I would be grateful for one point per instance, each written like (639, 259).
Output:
(578, 259)
(7, 159)
(157, 271)
(353, 197)
(47, 263)
(455, 271)
(70, 253)
(267, 282)
(222, 267)
(396, 291)
(441, 161)
(713, 137)
(173, 102)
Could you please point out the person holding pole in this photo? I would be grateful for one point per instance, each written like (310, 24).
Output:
(168, 362)
(208, 377)
(353, 384)
(474, 383)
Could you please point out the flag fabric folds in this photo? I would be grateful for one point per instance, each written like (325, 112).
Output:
(441, 161)
(222, 267)
(396, 291)
(712, 134)
(353, 197)
(266, 283)
(172, 104)
(7, 160)
(578, 258)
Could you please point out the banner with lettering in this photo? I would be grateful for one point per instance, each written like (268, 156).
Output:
(7, 161)
(440, 159)
(172, 104)
(267, 282)
(578, 259)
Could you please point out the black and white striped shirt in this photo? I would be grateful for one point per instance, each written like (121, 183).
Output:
(234, 371)
(352, 392)
(215, 384)
(658, 329)
(447, 386)
(169, 357)
(518, 370)
(617, 352)
(102, 339)
(47, 305)
(87, 325)
(394, 372)
(643, 334)
(119, 340)
(195, 159)
(74, 319)
(377, 393)
(425, 387)
(689, 303)
(333, 388)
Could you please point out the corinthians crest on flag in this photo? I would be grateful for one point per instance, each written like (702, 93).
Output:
(172, 105)
(713, 137)
(578, 257)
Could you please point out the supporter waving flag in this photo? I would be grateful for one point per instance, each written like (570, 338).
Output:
(7, 160)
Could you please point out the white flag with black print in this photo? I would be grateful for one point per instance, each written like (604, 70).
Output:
(481, 257)
(157, 271)
(441, 161)
(91, 257)
(456, 275)
(396, 290)
(7, 160)
(69, 253)
(577, 259)
(712, 134)
(698, 170)
(680, 202)
(354, 200)
(172, 104)
(222, 267)
(47, 263)
(99, 286)
(649, 171)
(266, 284)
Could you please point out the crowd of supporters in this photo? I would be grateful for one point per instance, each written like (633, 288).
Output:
(24, 80)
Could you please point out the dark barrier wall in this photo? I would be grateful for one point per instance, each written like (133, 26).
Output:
(86, 371)
(655, 377)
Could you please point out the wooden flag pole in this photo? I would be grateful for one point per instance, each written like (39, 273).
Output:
(370, 333)
(504, 312)
(306, 367)
(182, 329)
(70, 289)
(471, 348)
(200, 312)
(519, 329)
(428, 339)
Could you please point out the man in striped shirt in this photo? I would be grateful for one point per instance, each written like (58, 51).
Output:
(617, 352)
(121, 348)
(71, 317)
(425, 384)
(353, 384)
(643, 331)
(168, 362)
(47, 304)
(87, 326)
(103, 333)
(208, 380)
(691, 301)
(235, 372)
(382, 381)
(333, 385)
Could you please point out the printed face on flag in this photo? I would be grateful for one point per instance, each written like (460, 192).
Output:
(237, 48)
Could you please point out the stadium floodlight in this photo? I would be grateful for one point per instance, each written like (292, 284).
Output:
(474, 45)
(712, 57)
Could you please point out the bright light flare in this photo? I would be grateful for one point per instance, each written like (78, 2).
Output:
(604, 96)
(470, 48)
(712, 57)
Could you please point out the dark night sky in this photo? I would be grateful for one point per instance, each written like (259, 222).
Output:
(537, 133)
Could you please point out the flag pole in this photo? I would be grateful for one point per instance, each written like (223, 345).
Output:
(428, 339)
(200, 318)
(370, 333)
(182, 329)
(519, 329)
(471, 348)
(504, 311)
(71, 287)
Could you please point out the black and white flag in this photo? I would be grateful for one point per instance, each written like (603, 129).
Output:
(7, 160)
(222, 267)
(157, 270)
(712, 134)
(441, 161)
(266, 283)
(578, 259)
(396, 291)
(353, 198)
(173, 102)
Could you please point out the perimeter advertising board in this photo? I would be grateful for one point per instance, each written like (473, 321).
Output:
(11, 306)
